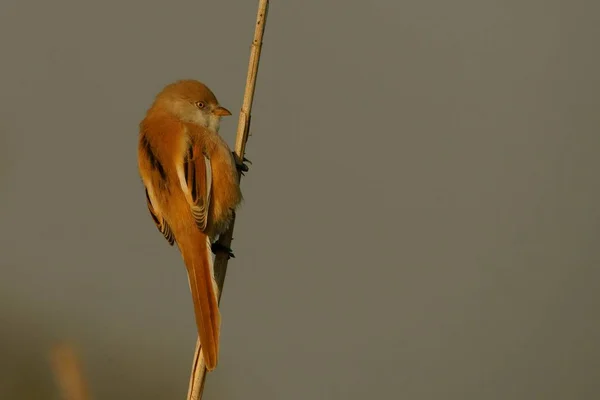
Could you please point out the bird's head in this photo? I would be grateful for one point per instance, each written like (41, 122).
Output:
(192, 101)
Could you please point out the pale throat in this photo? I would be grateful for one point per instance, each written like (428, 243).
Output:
(210, 121)
(214, 123)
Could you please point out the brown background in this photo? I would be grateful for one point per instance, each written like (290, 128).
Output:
(421, 217)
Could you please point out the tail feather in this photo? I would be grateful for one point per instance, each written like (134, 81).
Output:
(199, 262)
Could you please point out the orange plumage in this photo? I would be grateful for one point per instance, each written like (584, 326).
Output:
(192, 189)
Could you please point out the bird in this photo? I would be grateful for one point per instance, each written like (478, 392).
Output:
(190, 176)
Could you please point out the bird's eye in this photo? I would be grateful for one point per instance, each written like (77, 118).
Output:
(200, 105)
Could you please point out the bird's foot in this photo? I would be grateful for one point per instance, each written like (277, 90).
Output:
(241, 166)
(219, 248)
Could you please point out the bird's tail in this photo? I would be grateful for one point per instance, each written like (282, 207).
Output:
(198, 259)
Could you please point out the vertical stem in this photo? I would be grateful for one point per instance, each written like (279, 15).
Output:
(198, 374)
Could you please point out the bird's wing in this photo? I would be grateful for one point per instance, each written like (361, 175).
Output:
(153, 171)
(160, 222)
(198, 181)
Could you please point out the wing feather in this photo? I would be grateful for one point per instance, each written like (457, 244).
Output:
(198, 181)
(160, 222)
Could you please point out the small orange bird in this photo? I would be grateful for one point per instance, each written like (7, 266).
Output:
(192, 190)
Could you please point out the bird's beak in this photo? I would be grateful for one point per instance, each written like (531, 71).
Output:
(221, 111)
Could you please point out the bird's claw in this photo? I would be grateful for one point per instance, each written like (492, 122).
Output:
(241, 166)
(219, 248)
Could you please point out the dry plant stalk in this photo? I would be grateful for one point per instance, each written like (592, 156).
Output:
(198, 374)
(68, 373)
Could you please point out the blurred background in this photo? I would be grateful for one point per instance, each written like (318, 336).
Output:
(420, 220)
